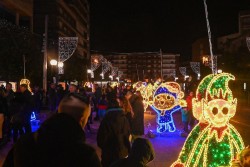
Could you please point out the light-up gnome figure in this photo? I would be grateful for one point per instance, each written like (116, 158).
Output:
(213, 142)
(167, 99)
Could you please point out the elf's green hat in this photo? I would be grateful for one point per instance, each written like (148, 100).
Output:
(215, 86)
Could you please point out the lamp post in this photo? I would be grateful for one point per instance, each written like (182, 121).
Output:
(53, 63)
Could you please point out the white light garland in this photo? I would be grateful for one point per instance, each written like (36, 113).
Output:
(120, 73)
(96, 61)
(66, 48)
(248, 42)
(114, 71)
(214, 69)
(183, 71)
(213, 63)
(196, 68)
(173, 73)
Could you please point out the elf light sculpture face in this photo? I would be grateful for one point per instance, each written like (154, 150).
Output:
(167, 100)
(219, 111)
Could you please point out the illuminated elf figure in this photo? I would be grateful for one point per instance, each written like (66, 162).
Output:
(166, 100)
(214, 141)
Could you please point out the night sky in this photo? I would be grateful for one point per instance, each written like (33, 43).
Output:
(148, 25)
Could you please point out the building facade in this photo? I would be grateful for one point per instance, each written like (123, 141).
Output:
(17, 12)
(145, 65)
(66, 18)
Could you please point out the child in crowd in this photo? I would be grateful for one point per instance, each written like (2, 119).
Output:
(102, 106)
(184, 117)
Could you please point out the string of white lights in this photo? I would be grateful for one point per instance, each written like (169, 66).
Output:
(248, 42)
(214, 71)
(196, 68)
(66, 48)
(183, 71)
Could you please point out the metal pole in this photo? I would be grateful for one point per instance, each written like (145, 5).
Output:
(24, 66)
(45, 59)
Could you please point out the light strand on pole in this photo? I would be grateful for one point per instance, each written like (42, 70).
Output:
(213, 63)
(96, 61)
(66, 48)
(248, 42)
(114, 71)
(214, 71)
(183, 71)
(120, 73)
(196, 68)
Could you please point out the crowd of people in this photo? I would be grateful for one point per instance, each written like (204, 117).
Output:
(60, 140)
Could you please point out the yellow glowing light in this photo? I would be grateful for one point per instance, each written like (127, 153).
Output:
(213, 106)
(205, 141)
(26, 82)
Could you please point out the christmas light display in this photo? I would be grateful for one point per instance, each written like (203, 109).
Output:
(183, 71)
(66, 48)
(248, 42)
(196, 68)
(214, 141)
(119, 74)
(166, 100)
(114, 71)
(26, 82)
(95, 63)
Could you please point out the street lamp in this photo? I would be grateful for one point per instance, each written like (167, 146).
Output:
(53, 63)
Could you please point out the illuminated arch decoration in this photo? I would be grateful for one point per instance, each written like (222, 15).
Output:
(214, 141)
(66, 48)
(167, 99)
(26, 82)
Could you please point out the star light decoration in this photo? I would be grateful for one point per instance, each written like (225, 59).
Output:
(213, 142)
(167, 99)
(66, 48)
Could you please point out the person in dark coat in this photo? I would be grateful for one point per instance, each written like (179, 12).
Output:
(27, 105)
(113, 134)
(60, 141)
(137, 123)
(38, 98)
(52, 97)
(142, 152)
